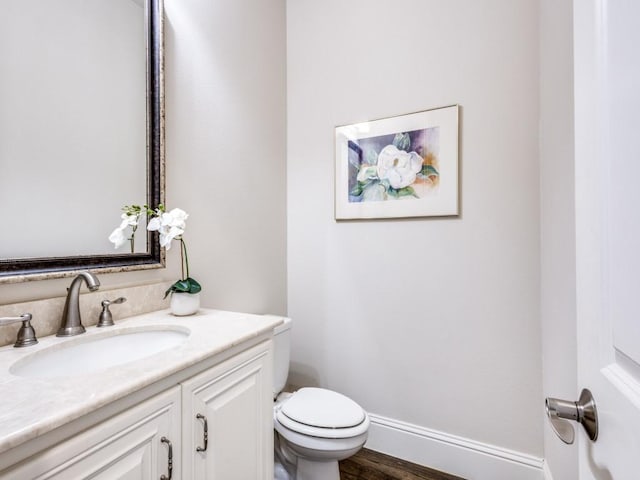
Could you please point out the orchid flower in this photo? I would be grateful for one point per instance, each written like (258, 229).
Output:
(117, 237)
(130, 218)
(170, 225)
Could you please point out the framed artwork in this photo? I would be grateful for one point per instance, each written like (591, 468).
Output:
(398, 167)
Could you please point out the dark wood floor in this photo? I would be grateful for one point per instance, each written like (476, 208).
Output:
(370, 465)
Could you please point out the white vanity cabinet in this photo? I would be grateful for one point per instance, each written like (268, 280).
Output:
(128, 446)
(232, 393)
(231, 402)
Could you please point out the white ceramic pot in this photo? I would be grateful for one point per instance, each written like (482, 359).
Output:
(183, 304)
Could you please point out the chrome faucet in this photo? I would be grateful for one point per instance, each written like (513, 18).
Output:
(71, 320)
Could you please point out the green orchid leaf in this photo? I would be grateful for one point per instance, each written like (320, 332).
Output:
(181, 286)
(188, 285)
(194, 286)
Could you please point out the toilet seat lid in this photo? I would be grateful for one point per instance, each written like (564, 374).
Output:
(318, 407)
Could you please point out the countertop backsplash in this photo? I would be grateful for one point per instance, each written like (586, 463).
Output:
(47, 313)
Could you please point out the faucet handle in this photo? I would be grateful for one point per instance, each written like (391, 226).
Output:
(106, 319)
(10, 320)
(116, 301)
(26, 334)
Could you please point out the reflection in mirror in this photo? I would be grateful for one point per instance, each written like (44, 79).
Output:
(81, 132)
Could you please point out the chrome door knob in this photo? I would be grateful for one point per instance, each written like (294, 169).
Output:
(583, 411)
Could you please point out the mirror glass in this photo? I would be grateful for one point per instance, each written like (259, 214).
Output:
(80, 132)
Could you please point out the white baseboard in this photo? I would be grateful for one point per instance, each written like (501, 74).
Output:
(546, 472)
(448, 453)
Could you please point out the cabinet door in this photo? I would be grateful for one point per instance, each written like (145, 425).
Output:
(125, 447)
(235, 400)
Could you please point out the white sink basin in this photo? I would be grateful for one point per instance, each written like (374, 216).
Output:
(98, 352)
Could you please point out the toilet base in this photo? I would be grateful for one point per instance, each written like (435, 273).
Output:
(307, 464)
(314, 470)
(279, 472)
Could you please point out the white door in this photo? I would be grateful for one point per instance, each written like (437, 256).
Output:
(607, 162)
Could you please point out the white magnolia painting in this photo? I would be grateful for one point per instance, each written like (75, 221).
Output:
(404, 166)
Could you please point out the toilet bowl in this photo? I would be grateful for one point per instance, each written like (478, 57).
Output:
(314, 427)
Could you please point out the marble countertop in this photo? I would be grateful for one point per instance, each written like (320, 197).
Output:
(30, 407)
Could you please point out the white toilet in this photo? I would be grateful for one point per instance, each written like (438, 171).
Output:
(314, 427)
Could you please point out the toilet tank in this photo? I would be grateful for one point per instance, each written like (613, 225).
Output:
(281, 355)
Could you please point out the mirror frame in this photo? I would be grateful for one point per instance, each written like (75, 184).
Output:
(39, 268)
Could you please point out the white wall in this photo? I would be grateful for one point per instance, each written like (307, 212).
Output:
(434, 322)
(226, 146)
(225, 133)
(557, 218)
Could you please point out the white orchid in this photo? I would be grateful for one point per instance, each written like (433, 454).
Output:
(118, 237)
(130, 218)
(170, 225)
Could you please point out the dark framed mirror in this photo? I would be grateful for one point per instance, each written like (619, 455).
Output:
(87, 141)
